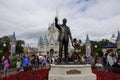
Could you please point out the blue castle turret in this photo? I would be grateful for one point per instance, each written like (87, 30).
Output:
(13, 37)
(40, 41)
(87, 39)
(118, 36)
(45, 40)
(12, 43)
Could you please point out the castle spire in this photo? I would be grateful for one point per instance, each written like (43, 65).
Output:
(118, 36)
(87, 39)
(40, 41)
(88, 46)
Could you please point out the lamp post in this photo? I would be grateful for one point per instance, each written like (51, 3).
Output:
(4, 44)
(95, 46)
(96, 54)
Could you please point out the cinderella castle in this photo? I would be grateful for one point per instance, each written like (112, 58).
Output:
(48, 45)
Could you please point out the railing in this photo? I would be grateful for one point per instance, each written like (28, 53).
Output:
(105, 74)
(40, 74)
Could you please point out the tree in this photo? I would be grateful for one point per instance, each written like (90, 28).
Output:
(19, 46)
(83, 48)
(99, 45)
(5, 44)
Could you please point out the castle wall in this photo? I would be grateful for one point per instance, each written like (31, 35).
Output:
(118, 44)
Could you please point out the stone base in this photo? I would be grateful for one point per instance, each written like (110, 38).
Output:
(71, 72)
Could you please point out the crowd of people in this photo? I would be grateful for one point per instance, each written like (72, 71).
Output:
(26, 62)
(31, 62)
(109, 61)
(36, 61)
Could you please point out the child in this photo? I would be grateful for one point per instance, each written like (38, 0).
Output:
(18, 65)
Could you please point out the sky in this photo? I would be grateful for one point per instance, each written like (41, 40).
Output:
(29, 19)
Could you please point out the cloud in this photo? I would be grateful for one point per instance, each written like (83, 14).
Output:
(30, 18)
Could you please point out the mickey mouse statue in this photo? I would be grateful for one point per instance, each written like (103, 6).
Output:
(77, 50)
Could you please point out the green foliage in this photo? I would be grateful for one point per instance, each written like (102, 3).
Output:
(83, 48)
(2, 65)
(13, 64)
(118, 51)
(97, 49)
(5, 40)
(100, 45)
(19, 47)
(96, 54)
(3, 49)
(13, 61)
(1, 53)
(14, 54)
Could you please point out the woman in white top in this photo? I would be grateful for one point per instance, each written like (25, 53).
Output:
(110, 59)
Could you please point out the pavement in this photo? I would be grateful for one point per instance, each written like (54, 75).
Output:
(10, 71)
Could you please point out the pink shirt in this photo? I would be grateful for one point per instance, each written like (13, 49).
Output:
(6, 63)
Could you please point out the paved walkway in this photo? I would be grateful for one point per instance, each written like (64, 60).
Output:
(10, 71)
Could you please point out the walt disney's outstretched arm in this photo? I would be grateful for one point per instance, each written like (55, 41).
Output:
(56, 23)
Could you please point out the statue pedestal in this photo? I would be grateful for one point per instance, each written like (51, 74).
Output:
(71, 72)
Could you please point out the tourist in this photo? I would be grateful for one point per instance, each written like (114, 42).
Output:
(98, 63)
(103, 60)
(25, 63)
(117, 64)
(18, 65)
(109, 59)
(114, 58)
(6, 66)
(44, 61)
(36, 61)
(40, 59)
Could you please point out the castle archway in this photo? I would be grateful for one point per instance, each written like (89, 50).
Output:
(51, 52)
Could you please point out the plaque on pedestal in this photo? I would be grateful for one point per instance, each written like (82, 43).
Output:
(71, 72)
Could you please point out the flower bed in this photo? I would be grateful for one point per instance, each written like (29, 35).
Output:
(105, 75)
(40, 74)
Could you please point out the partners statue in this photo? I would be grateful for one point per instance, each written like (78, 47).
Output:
(63, 38)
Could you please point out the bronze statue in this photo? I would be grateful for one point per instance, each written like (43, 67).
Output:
(76, 45)
(77, 50)
(63, 38)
